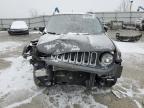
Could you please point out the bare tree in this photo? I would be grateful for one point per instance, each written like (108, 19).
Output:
(33, 13)
(124, 6)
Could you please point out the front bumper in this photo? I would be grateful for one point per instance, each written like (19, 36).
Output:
(18, 32)
(115, 70)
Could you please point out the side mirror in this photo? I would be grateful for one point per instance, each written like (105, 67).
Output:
(41, 29)
(105, 28)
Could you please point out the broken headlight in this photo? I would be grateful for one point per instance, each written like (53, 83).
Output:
(106, 59)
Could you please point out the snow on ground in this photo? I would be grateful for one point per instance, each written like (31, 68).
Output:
(128, 47)
(24, 101)
(17, 77)
(3, 31)
(138, 104)
(35, 32)
(8, 46)
(128, 88)
(65, 96)
(132, 53)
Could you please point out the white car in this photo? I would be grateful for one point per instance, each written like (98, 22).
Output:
(18, 27)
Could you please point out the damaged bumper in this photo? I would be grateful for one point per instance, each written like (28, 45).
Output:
(114, 70)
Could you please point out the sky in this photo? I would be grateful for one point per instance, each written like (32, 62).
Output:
(25, 8)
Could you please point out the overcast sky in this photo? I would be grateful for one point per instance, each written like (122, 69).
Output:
(23, 8)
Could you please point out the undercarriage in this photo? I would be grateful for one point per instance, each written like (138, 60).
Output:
(48, 77)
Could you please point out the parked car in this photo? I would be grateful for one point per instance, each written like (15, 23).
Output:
(140, 24)
(18, 27)
(75, 50)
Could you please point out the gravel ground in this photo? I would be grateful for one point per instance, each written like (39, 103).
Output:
(18, 90)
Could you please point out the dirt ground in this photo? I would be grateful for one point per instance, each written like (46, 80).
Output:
(18, 90)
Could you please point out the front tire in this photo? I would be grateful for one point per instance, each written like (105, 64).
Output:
(37, 81)
(44, 80)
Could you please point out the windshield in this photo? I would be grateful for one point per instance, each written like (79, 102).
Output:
(63, 24)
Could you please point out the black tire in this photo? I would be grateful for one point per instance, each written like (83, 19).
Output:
(37, 81)
(10, 33)
(43, 81)
(27, 33)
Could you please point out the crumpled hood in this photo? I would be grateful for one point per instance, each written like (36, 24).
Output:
(58, 44)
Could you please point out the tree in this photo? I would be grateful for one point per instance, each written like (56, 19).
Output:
(124, 6)
(33, 13)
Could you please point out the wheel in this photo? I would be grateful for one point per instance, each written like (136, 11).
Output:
(10, 33)
(44, 80)
(37, 80)
(27, 33)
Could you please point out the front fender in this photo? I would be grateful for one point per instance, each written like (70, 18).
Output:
(28, 48)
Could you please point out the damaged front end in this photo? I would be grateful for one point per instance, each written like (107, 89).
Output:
(75, 50)
(90, 68)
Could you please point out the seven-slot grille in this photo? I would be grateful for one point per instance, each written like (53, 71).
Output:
(80, 58)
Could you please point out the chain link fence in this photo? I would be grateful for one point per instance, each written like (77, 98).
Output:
(33, 23)
(105, 17)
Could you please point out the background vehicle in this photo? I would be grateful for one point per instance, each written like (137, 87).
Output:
(140, 24)
(75, 50)
(18, 27)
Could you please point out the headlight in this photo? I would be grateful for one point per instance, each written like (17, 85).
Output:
(106, 59)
